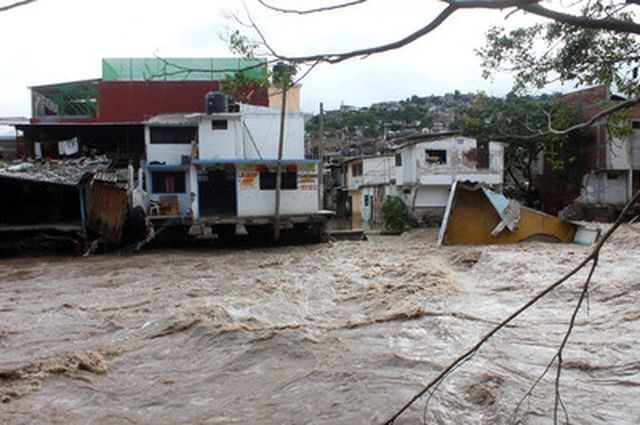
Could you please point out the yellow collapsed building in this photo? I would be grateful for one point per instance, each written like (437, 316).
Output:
(476, 215)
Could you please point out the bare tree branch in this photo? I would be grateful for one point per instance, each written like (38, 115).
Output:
(339, 57)
(535, 133)
(531, 6)
(558, 357)
(469, 353)
(180, 69)
(16, 4)
(600, 115)
(308, 11)
(260, 34)
(563, 344)
(615, 25)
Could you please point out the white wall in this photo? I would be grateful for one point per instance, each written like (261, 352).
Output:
(398, 171)
(617, 189)
(184, 199)
(618, 153)
(496, 158)
(432, 196)
(254, 133)
(415, 168)
(220, 144)
(253, 202)
(262, 202)
(409, 163)
(367, 209)
(263, 124)
(635, 148)
(170, 154)
(605, 188)
(377, 170)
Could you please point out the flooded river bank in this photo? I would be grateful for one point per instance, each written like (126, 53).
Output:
(339, 333)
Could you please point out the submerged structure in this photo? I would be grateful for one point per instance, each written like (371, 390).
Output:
(476, 215)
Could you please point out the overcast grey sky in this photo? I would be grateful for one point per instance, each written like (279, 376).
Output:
(53, 41)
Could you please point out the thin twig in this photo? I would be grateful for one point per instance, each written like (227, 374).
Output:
(557, 357)
(469, 353)
(16, 4)
(308, 11)
(585, 289)
(260, 63)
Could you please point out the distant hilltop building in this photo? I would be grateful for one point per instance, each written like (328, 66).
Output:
(348, 108)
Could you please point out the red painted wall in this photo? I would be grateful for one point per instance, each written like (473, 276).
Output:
(134, 101)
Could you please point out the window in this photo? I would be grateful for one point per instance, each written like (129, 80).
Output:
(635, 125)
(356, 169)
(219, 124)
(435, 156)
(366, 200)
(168, 182)
(398, 160)
(268, 180)
(173, 135)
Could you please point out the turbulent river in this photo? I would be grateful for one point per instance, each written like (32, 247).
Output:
(337, 333)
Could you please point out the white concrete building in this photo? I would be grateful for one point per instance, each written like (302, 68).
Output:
(220, 168)
(614, 183)
(421, 171)
(427, 165)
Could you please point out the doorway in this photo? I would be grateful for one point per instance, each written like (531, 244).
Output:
(217, 191)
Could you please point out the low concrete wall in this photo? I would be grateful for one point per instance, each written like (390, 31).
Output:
(428, 216)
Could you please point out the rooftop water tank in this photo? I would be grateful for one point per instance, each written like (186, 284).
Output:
(215, 103)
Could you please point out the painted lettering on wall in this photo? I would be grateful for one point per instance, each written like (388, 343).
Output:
(248, 179)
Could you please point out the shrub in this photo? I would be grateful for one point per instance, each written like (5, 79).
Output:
(395, 214)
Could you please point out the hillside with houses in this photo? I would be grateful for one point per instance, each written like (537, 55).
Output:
(351, 130)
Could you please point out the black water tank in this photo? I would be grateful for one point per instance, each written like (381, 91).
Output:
(215, 103)
(282, 71)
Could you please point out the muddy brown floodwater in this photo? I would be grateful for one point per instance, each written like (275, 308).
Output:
(339, 333)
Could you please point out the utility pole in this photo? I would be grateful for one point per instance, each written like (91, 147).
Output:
(321, 158)
(283, 110)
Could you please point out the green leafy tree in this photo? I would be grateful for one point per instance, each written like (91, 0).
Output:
(561, 51)
(242, 84)
(522, 122)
